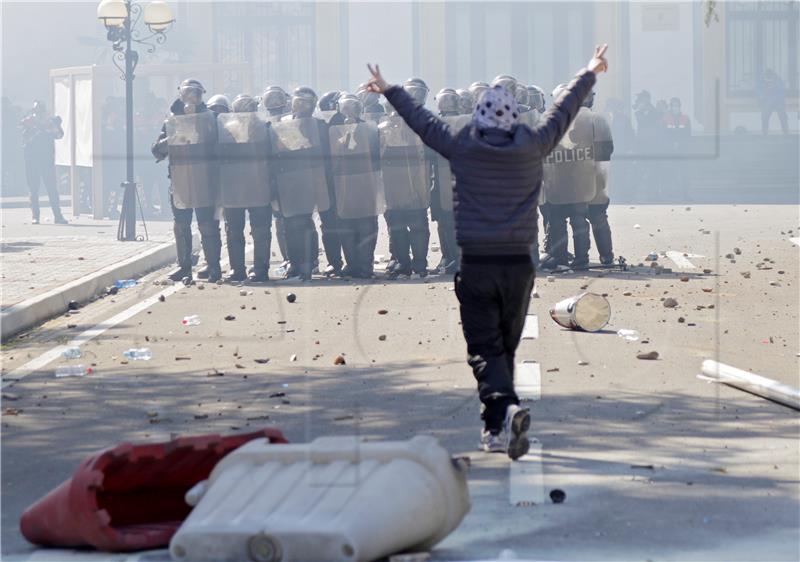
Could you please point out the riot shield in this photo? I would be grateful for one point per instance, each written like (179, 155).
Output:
(356, 182)
(325, 115)
(375, 117)
(299, 167)
(243, 150)
(444, 175)
(191, 142)
(405, 170)
(570, 172)
(529, 118)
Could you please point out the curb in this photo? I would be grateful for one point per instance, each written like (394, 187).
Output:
(54, 302)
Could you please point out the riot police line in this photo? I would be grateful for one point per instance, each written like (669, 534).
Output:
(350, 159)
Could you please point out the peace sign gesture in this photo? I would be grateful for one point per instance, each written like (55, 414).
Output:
(599, 63)
(376, 84)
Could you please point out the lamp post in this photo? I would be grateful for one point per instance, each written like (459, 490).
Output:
(121, 18)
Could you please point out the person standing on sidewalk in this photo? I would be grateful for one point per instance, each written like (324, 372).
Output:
(497, 166)
(39, 133)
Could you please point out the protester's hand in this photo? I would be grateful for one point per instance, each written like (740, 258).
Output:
(376, 84)
(598, 63)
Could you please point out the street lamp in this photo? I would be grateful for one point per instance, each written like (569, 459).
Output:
(121, 18)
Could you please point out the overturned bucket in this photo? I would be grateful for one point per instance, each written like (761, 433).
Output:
(588, 312)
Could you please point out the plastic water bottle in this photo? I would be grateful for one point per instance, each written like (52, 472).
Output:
(629, 335)
(125, 283)
(192, 320)
(280, 271)
(72, 371)
(140, 354)
(71, 353)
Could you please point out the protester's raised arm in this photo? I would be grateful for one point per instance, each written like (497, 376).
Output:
(433, 131)
(558, 118)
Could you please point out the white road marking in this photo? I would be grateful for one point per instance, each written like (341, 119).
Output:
(54, 353)
(680, 260)
(531, 329)
(48, 356)
(526, 478)
(795, 241)
(528, 381)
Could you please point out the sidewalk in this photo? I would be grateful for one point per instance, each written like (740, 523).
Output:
(45, 266)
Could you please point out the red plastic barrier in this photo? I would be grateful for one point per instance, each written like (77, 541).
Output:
(130, 497)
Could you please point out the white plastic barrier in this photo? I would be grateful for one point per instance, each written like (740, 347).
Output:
(337, 498)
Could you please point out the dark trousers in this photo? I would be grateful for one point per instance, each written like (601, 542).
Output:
(557, 238)
(301, 243)
(331, 237)
(184, 216)
(494, 300)
(446, 226)
(38, 171)
(359, 238)
(766, 115)
(409, 235)
(598, 217)
(260, 230)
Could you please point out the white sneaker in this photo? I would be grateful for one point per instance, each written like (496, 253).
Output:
(516, 426)
(493, 442)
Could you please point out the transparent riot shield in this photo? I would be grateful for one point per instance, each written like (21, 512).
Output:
(356, 181)
(530, 118)
(405, 169)
(570, 172)
(192, 141)
(299, 167)
(243, 150)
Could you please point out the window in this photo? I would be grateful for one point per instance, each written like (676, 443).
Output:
(761, 36)
(275, 38)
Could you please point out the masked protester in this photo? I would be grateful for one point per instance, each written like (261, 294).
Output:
(39, 133)
(188, 138)
(497, 166)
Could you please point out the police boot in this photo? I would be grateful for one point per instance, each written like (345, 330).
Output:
(602, 237)
(261, 244)
(420, 238)
(581, 243)
(212, 247)
(235, 242)
(183, 248)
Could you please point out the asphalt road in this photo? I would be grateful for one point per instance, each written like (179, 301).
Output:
(656, 464)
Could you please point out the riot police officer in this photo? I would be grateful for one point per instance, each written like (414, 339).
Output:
(370, 101)
(598, 207)
(508, 82)
(302, 179)
(192, 169)
(326, 105)
(450, 105)
(39, 132)
(570, 185)
(355, 158)
(406, 167)
(245, 186)
(536, 98)
(219, 103)
(465, 101)
(476, 89)
(275, 100)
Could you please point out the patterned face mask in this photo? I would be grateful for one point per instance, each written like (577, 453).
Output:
(496, 109)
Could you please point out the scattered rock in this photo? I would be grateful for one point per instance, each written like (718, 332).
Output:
(745, 274)
(161, 298)
(291, 297)
(293, 357)
(72, 325)
(201, 416)
(707, 289)
(557, 496)
(707, 272)
(182, 358)
(113, 290)
(339, 360)
(243, 293)
(583, 363)
(382, 311)
(230, 317)
(553, 370)
(648, 356)
(215, 373)
(729, 256)
(670, 302)
(681, 320)
(382, 337)
(201, 286)
(10, 397)
(73, 305)
(737, 251)
(685, 278)
(261, 361)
